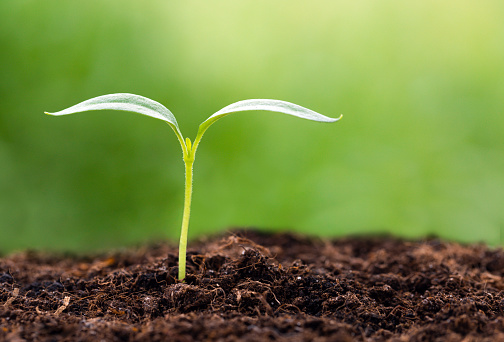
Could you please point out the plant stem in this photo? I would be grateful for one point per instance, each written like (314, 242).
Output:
(188, 161)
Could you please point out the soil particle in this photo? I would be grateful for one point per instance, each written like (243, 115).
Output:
(250, 286)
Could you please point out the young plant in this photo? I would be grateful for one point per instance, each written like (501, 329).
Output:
(142, 105)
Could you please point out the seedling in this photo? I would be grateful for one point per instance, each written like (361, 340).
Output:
(142, 105)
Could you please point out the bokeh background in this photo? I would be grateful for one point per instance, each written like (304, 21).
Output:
(418, 152)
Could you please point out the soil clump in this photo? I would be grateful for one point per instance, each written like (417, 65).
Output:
(251, 286)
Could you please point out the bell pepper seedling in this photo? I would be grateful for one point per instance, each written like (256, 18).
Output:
(142, 105)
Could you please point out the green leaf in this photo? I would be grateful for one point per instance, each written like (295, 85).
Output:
(125, 102)
(268, 105)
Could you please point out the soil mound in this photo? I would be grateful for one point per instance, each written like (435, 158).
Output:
(250, 286)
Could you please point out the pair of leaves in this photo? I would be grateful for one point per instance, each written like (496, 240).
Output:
(142, 105)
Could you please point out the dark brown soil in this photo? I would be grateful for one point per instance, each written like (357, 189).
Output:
(258, 287)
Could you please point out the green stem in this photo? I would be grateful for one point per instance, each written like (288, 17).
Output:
(189, 152)
(188, 161)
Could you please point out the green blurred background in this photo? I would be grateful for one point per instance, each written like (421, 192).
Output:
(419, 150)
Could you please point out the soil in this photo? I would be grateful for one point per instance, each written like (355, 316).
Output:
(250, 286)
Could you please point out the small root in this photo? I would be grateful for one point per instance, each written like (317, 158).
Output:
(15, 293)
(66, 301)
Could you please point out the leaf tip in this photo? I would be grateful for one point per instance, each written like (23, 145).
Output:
(335, 119)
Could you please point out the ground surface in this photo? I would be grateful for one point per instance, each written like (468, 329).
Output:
(256, 287)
